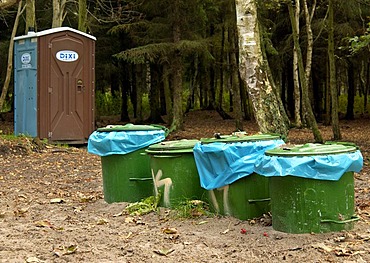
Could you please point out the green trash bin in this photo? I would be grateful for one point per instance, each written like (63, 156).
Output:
(312, 186)
(125, 165)
(225, 165)
(174, 172)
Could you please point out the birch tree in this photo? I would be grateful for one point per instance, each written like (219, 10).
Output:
(58, 13)
(254, 71)
(304, 74)
(30, 15)
(297, 89)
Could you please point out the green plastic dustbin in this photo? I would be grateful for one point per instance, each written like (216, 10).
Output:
(127, 176)
(174, 172)
(247, 197)
(306, 205)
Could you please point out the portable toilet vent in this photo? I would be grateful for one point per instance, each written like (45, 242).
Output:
(54, 85)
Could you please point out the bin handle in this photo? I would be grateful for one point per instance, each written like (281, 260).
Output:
(352, 219)
(259, 200)
(166, 156)
(141, 179)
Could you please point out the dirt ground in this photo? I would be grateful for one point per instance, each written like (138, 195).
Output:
(52, 209)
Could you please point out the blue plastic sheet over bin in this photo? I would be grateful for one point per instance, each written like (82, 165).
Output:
(125, 166)
(312, 186)
(311, 164)
(221, 164)
(109, 141)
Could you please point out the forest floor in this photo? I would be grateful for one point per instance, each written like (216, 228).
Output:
(52, 209)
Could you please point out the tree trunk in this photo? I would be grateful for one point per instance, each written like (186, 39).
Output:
(333, 81)
(367, 83)
(327, 119)
(297, 90)
(140, 87)
(177, 122)
(303, 80)
(82, 15)
(6, 4)
(192, 84)
(154, 96)
(167, 93)
(253, 71)
(308, 18)
(30, 15)
(238, 114)
(124, 82)
(58, 13)
(9, 69)
(351, 91)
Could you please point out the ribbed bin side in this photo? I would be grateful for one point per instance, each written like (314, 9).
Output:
(126, 178)
(175, 178)
(301, 205)
(244, 199)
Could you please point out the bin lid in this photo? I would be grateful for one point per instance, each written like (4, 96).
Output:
(240, 137)
(129, 127)
(311, 149)
(177, 146)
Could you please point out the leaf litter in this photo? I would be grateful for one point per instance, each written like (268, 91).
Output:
(84, 228)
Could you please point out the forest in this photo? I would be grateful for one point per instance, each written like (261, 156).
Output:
(284, 63)
(202, 68)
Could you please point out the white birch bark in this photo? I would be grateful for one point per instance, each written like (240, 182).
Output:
(297, 92)
(254, 70)
(58, 13)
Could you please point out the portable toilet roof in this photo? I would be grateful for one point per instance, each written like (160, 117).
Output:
(54, 85)
(51, 31)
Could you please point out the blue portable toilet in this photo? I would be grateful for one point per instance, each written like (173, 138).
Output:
(54, 85)
(25, 85)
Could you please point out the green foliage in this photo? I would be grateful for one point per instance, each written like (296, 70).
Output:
(12, 137)
(162, 51)
(7, 103)
(191, 209)
(143, 207)
(106, 104)
(358, 43)
(358, 104)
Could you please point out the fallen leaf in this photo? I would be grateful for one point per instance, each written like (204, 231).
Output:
(128, 235)
(56, 201)
(225, 231)
(129, 219)
(21, 211)
(102, 221)
(33, 260)
(43, 223)
(322, 247)
(202, 222)
(119, 214)
(70, 249)
(168, 230)
(164, 252)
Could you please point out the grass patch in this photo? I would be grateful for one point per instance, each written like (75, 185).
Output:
(191, 209)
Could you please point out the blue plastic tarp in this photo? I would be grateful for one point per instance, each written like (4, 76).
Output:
(321, 167)
(221, 164)
(122, 142)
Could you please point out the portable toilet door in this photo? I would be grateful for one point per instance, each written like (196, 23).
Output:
(25, 86)
(65, 85)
